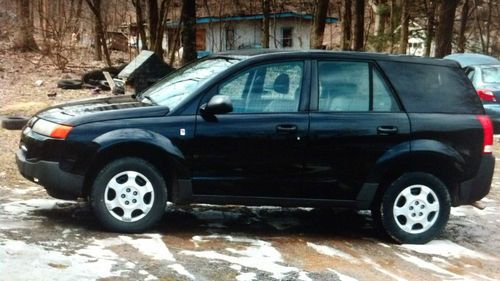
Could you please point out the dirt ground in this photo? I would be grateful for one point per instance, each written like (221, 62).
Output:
(42, 238)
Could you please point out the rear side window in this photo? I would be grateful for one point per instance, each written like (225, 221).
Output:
(432, 89)
(351, 86)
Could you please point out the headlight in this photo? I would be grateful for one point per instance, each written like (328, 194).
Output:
(51, 129)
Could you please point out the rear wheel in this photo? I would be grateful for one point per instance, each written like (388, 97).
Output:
(414, 208)
(128, 195)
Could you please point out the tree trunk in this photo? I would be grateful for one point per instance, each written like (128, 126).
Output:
(379, 10)
(153, 23)
(463, 26)
(95, 7)
(318, 27)
(358, 25)
(430, 28)
(444, 32)
(488, 28)
(188, 32)
(346, 24)
(266, 10)
(97, 40)
(23, 39)
(140, 24)
(405, 21)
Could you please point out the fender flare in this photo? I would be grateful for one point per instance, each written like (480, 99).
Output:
(121, 136)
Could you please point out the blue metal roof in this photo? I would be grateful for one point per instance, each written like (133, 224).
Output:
(202, 20)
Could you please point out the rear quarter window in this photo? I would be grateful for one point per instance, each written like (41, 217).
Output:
(425, 88)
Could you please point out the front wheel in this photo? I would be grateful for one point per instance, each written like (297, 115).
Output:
(415, 208)
(128, 195)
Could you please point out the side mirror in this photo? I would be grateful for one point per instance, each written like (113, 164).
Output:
(218, 104)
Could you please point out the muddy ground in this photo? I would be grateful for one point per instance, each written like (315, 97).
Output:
(42, 238)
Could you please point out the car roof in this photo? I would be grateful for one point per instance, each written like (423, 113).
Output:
(470, 59)
(290, 53)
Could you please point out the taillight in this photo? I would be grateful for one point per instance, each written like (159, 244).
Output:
(486, 95)
(487, 133)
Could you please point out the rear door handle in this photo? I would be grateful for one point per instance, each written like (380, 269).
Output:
(286, 128)
(387, 130)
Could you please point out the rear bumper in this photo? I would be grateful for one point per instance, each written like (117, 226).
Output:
(58, 183)
(478, 187)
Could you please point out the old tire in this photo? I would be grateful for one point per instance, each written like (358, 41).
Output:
(69, 84)
(128, 195)
(414, 209)
(14, 122)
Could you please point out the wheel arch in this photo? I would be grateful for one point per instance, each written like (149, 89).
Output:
(428, 156)
(150, 146)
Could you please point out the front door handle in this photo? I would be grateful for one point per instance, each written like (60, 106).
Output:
(286, 128)
(387, 130)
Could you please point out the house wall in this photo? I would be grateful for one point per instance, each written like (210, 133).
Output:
(248, 34)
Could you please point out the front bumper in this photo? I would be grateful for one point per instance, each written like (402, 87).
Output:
(479, 186)
(58, 183)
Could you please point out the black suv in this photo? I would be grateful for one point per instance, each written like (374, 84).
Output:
(405, 137)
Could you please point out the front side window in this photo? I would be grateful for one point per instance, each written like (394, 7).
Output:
(346, 86)
(266, 88)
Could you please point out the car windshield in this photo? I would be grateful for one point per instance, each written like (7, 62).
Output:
(491, 75)
(173, 89)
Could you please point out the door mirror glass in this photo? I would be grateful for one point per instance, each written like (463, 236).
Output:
(218, 104)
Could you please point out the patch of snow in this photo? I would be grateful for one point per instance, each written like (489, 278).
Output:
(152, 247)
(332, 252)
(383, 245)
(247, 276)
(143, 272)
(484, 277)
(303, 276)
(379, 268)
(181, 270)
(150, 277)
(343, 277)
(27, 206)
(19, 259)
(427, 265)
(258, 254)
(457, 212)
(236, 267)
(446, 248)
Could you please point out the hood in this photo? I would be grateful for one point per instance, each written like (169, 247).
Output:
(100, 109)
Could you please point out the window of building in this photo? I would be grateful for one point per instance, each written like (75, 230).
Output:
(287, 39)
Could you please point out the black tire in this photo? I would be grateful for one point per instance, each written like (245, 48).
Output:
(14, 122)
(423, 224)
(115, 219)
(69, 84)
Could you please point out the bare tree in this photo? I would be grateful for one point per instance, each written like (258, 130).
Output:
(23, 39)
(405, 20)
(95, 7)
(157, 21)
(380, 9)
(346, 17)
(444, 31)
(463, 26)
(138, 5)
(266, 10)
(318, 27)
(188, 31)
(358, 25)
(430, 7)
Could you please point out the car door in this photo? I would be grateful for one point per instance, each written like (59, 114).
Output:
(257, 149)
(355, 119)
